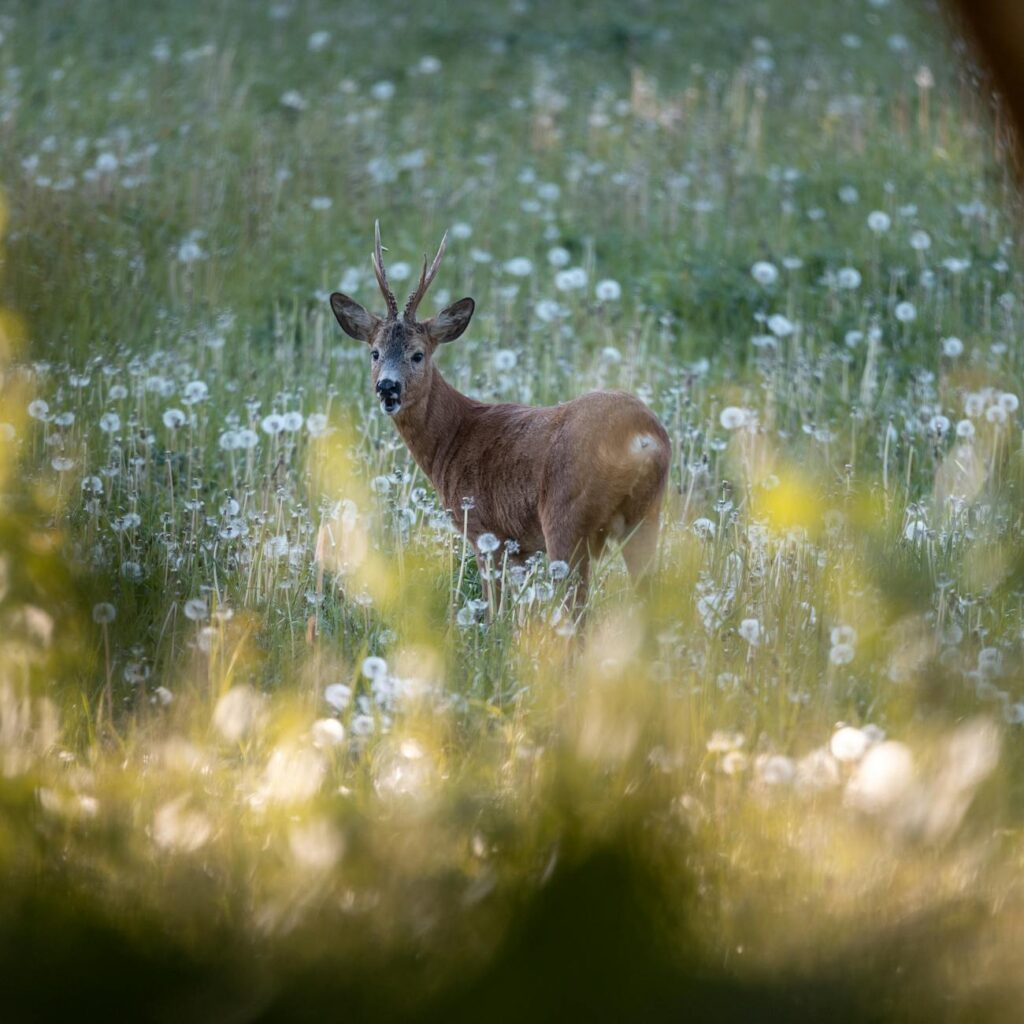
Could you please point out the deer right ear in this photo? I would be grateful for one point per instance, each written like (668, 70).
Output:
(356, 322)
(451, 322)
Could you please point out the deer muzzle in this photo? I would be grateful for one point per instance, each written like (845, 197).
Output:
(389, 393)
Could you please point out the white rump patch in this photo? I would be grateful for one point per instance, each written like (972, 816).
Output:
(642, 444)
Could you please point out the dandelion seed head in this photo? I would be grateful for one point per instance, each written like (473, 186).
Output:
(571, 279)
(196, 391)
(920, 240)
(374, 668)
(750, 630)
(103, 613)
(327, 733)
(110, 423)
(318, 41)
(487, 543)
(848, 278)
(905, 312)
(608, 290)
(520, 266)
(764, 273)
(732, 417)
(879, 222)
(237, 713)
(781, 326)
(883, 776)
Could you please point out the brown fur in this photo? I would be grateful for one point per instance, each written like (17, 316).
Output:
(560, 479)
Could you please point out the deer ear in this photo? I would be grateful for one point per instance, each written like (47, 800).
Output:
(356, 322)
(451, 322)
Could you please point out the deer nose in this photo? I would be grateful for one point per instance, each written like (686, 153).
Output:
(389, 388)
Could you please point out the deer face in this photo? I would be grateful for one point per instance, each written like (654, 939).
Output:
(401, 346)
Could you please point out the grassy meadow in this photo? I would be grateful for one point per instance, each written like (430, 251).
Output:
(273, 746)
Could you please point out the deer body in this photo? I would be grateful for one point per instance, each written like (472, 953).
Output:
(561, 479)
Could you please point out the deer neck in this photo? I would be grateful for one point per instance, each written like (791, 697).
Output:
(430, 426)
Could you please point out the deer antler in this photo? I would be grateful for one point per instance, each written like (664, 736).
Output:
(382, 277)
(426, 276)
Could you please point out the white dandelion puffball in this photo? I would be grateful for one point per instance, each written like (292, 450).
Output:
(920, 240)
(316, 423)
(237, 713)
(374, 667)
(952, 347)
(849, 744)
(383, 90)
(916, 530)
(732, 417)
(505, 359)
(879, 222)
(882, 779)
(338, 696)
(843, 635)
(195, 391)
(775, 769)
(571, 279)
(559, 257)
(318, 41)
(487, 543)
(362, 725)
(764, 273)
(841, 654)
(327, 733)
(39, 409)
(750, 630)
(110, 422)
(848, 278)
(173, 418)
(608, 290)
(781, 326)
(190, 251)
(905, 312)
(272, 424)
(292, 99)
(520, 266)
(103, 613)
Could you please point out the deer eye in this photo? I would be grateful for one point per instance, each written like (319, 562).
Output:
(375, 355)
(417, 357)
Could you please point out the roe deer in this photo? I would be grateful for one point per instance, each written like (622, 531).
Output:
(560, 479)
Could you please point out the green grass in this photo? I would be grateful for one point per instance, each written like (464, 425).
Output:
(515, 817)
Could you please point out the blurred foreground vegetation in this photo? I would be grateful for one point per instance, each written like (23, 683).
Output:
(273, 746)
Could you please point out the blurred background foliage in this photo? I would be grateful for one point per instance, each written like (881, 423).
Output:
(272, 745)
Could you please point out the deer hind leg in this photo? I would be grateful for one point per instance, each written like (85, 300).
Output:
(640, 548)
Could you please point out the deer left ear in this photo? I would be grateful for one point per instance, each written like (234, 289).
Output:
(355, 321)
(451, 322)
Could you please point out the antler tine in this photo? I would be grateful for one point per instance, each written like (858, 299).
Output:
(426, 277)
(382, 278)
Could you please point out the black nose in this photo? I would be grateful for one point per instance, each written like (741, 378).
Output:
(388, 388)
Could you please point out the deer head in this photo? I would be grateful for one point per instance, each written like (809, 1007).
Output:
(401, 347)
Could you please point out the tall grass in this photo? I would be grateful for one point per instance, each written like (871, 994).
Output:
(271, 741)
